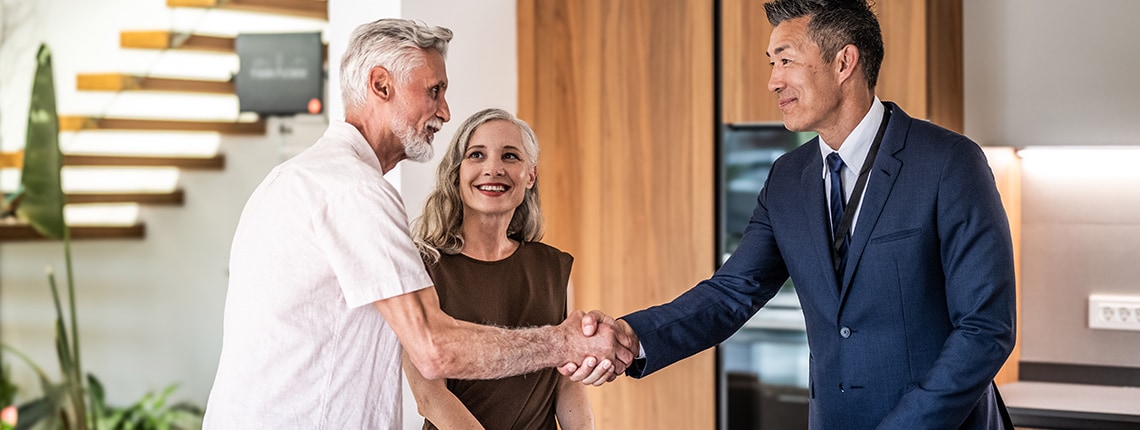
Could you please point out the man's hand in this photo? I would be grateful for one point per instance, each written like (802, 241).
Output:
(602, 352)
(597, 322)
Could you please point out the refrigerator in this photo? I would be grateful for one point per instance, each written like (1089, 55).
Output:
(762, 370)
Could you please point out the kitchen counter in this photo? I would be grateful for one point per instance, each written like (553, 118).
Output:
(1049, 405)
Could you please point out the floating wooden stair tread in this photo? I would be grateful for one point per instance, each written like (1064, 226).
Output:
(78, 123)
(12, 159)
(216, 162)
(305, 8)
(164, 39)
(19, 232)
(176, 197)
(127, 82)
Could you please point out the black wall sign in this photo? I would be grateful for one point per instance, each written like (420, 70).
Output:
(281, 74)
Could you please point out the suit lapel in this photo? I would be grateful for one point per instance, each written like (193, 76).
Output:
(883, 173)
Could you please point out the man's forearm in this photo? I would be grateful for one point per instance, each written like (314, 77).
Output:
(471, 351)
(442, 347)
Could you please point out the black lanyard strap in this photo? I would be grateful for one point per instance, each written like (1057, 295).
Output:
(857, 193)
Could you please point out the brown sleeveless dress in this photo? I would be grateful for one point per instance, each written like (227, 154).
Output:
(525, 289)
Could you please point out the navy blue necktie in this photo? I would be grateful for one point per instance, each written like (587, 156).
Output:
(835, 166)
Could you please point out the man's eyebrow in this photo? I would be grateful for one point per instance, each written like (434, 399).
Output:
(778, 50)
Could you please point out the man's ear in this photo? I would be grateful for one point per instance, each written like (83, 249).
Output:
(846, 60)
(380, 82)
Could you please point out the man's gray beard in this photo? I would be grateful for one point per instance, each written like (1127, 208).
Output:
(417, 147)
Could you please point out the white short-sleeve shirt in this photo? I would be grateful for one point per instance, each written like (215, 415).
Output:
(319, 240)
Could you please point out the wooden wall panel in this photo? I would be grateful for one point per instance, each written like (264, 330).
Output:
(745, 71)
(902, 78)
(945, 88)
(922, 69)
(1007, 174)
(620, 94)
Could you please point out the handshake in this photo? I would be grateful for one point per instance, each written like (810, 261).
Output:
(602, 347)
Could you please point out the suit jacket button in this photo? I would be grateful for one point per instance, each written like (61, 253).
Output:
(845, 332)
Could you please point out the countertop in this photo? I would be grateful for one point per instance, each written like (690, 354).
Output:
(1072, 406)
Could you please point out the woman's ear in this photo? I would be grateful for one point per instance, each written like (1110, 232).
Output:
(532, 177)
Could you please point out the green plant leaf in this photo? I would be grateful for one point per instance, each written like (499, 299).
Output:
(45, 383)
(8, 390)
(95, 389)
(48, 409)
(42, 205)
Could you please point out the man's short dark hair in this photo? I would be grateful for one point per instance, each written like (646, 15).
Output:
(834, 24)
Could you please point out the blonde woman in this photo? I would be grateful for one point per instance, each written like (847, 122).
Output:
(479, 237)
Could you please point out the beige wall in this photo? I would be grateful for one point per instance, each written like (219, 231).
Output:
(1081, 235)
(1052, 72)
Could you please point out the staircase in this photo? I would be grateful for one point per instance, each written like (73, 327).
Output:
(151, 128)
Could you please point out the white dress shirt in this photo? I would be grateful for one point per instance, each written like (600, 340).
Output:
(853, 151)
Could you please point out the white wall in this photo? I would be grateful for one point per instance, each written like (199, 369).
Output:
(482, 69)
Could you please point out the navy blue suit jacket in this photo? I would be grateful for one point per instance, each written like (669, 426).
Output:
(913, 332)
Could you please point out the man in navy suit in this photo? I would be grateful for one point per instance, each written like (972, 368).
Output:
(907, 287)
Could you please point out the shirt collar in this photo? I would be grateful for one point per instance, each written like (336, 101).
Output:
(854, 149)
(357, 142)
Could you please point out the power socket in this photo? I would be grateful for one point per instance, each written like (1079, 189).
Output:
(1114, 312)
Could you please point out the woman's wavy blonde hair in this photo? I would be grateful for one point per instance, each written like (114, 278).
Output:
(437, 230)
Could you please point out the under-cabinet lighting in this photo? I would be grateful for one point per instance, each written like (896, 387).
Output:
(1089, 161)
(1078, 152)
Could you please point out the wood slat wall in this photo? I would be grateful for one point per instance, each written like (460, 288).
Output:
(620, 94)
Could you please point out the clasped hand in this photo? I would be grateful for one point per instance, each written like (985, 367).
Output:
(605, 347)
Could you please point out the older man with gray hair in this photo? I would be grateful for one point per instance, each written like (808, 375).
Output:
(326, 284)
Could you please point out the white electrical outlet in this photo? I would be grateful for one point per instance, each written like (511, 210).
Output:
(1114, 312)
